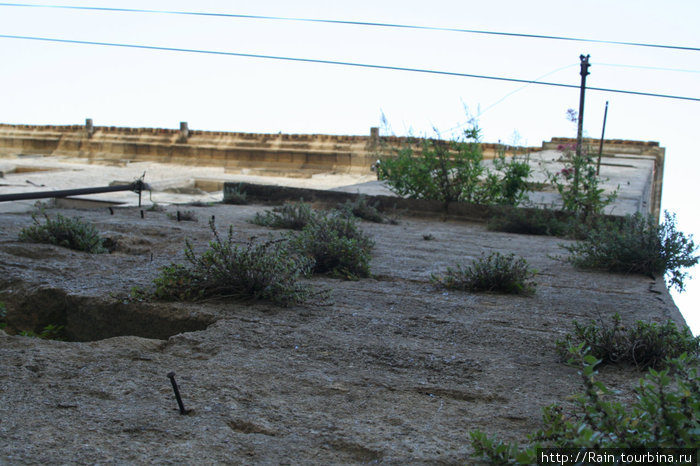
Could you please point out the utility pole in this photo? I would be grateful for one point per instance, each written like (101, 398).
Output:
(584, 72)
(602, 138)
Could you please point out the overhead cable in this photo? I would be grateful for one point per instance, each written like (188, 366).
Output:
(354, 23)
(333, 62)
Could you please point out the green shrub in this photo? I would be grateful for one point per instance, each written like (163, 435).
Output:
(531, 222)
(452, 171)
(578, 184)
(666, 414)
(336, 246)
(361, 208)
(508, 185)
(638, 245)
(267, 271)
(644, 344)
(70, 233)
(495, 273)
(294, 216)
(3, 315)
(49, 332)
(235, 195)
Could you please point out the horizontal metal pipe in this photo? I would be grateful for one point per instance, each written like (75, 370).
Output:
(137, 186)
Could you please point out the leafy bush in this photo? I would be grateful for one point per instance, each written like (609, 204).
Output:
(530, 222)
(70, 233)
(578, 184)
(236, 195)
(452, 171)
(493, 273)
(445, 171)
(510, 187)
(336, 246)
(644, 344)
(294, 216)
(638, 245)
(361, 208)
(665, 414)
(267, 271)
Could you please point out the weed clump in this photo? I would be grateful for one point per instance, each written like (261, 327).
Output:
(644, 345)
(361, 208)
(235, 195)
(183, 216)
(49, 332)
(336, 246)
(267, 271)
(638, 245)
(665, 414)
(531, 222)
(496, 273)
(291, 215)
(71, 233)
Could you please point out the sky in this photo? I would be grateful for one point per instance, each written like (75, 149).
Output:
(58, 83)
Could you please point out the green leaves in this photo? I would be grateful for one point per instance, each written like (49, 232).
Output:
(336, 246)
(71, 233)
(268, 271)
(452, 171)
(638, 245)
(666, 413)
(578, 185)
(291, 215)
(495, 273)
(646, 345)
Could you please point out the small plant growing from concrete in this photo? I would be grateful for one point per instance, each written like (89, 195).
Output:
(335, 246)
(49, 332)
(544, 222)
(183, 216)
(235, 195)
(664, 414)
(291, 215)
(453, 171)
(578, 184)
(495, 273)
(363, 209)
(264, 271)
(638, 245)
(644, 344)
(72, 233)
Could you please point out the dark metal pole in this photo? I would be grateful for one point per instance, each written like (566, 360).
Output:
(137, 186)
(602, 138)
(584, 72)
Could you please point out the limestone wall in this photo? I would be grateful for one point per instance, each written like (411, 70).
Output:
(271, 154)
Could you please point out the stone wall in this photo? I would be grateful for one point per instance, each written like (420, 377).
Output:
(251, 153)
(258, 154)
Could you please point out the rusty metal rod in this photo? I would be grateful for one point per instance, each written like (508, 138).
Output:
(136, 186)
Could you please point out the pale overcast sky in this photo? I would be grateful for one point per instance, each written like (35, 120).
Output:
(54, 83)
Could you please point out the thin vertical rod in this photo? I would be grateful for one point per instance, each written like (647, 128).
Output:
(602, 138)
(584, 72)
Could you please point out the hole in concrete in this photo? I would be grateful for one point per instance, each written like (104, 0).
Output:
(88, 318)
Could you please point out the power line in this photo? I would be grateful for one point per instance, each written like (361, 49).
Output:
(341, 63)
(655, 68)
(355, 23)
